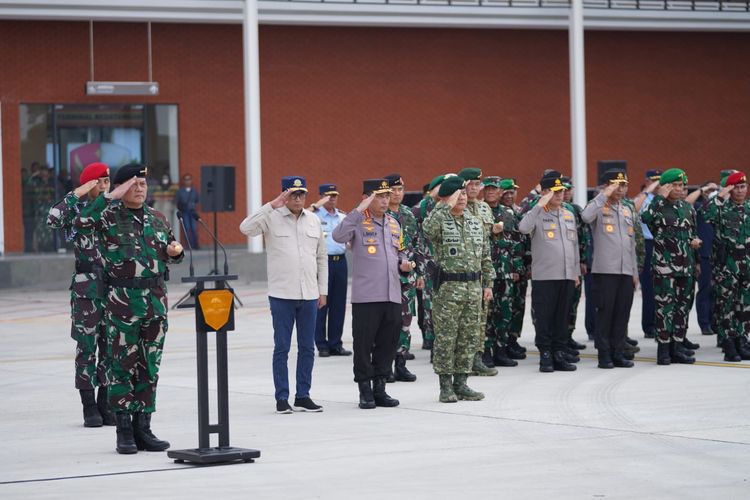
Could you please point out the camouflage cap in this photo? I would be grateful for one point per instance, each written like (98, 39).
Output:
(508, 184)
(493, 181)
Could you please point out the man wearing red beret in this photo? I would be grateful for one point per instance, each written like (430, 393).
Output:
(729, 213)
(87, 290)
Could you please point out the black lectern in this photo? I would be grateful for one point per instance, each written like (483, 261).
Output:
(214, 312)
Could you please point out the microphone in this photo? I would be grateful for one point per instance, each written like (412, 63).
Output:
(187, 240)
(216, 240)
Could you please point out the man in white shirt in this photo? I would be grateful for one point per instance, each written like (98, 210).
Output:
(297, 284)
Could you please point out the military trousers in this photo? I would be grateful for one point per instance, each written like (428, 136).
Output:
(550, 308)
(134, 346)
(458, 315)
(329, 326)
(648, 311)
(375, 330)
(673, 296)
(733, 312)
(500, 313)
(614, 298)
(89, 332)
(408, 310)
(518, 309)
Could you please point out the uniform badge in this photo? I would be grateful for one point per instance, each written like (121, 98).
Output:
(372, 249)
(553, 226)
(609, 228)
(551, 235)
(626, 212)
(452, 251)
(631, 230)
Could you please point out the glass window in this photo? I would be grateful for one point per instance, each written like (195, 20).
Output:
(59, 140)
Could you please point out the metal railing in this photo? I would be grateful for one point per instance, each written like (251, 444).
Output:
(677, 5)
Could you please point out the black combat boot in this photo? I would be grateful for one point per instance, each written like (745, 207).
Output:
(487, 358)
(144, 438)
(561, 362)
(427, 344)
(514, 351)
(391, 377)
(620, 361)
(402, 373)
(575, 345)
(628, 355)
(570, 354)
(125, 441)
(605, 359)
(366, 399)
(102, 403)
(679, 346)
(91, 415)
(409, 356)
(630, 341)
(381, 397)
(679, 354)
(500, 357)
(513, 343)
(690, 345)
(740, 342)
(662, 354)
(730, 351)
(546, 365)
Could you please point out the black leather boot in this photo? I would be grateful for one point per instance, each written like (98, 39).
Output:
(575, 345)
(125, 441)
(679, 346)
(402, 373)
(690, 345)
(630, 341)
(514, 351)
(108, 418)
(91, 415)
(144, 438)
(730, 351)
(605, 359)
(500, 357)
(743, 350)
(662, 354)
(391, 377)
(620, 361)
(487, 357)
(546, 365)
(561, 362)
(679, 355)
(570, 355)
(366, 399)
(381, 397)
(427, 344)
(513, 343)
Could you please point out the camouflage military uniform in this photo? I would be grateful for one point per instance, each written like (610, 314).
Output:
(425, 263)
(460, 247)
(673, 225)
(483, 212)
(408, 292)
(134, 248)
(731, 265)
(86, 295)
(509, 255)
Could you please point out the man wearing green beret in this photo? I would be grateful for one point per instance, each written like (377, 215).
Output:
(479, 209)
(729, 214)
(508, 250)
(464, 282)
(672, 221)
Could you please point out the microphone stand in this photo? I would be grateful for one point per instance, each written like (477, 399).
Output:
(183, 302)
(216, 242)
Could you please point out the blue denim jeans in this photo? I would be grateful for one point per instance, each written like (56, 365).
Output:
(286, 313)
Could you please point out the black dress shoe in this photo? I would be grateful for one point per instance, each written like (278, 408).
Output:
(605, 360)
(323, 353)
(408, 356)
(546, 364)
(651, 334)
(561, 364)
(620, 362)
(340, 351)
(707, 331)
(575, 345)
(690, 345)
(514, 352)
(630, 341)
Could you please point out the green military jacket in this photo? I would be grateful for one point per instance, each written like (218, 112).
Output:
(673, 225)
(409, 237)
(731, 223)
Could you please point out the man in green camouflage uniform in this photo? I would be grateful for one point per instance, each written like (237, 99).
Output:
(137, 244)
(672, 222)
(508, 251)
(464, 281)
(729, 214)
(86, 296)
(482, 211)
(408, 224)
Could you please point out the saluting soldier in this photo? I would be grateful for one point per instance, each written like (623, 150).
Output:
(555, 272)
(464, 281)
(482, 211)
(672, 223)
(615, 266)
(408, 223)
(137, 244)
(86, 295)
(729, 213)
(584, 245)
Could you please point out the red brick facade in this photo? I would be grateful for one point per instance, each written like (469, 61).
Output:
(343, 104)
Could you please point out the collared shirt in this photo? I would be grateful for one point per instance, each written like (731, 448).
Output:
(376, 251)
(329, 221)
(554, 243)
(295, 252)
(646, 231)
(612, 227)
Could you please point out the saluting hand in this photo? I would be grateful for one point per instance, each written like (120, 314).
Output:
(281, 199)
(434, 192)
(665, 190)
(545, 199)
(123, 188)
(726, 191)
(652, 187)
(365, 204)
(84, 189)
(320, 202)
(453, 199)
(610, 189)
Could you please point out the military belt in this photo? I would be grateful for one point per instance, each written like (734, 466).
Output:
(88, 267)
(143, 283)
(476, 276)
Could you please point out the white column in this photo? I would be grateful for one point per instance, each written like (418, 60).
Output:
(253, 191)
(2, 198)
(577, 102)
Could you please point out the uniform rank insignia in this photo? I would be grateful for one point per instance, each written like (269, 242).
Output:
(551, 235)
(372, 249)
(609, 228)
